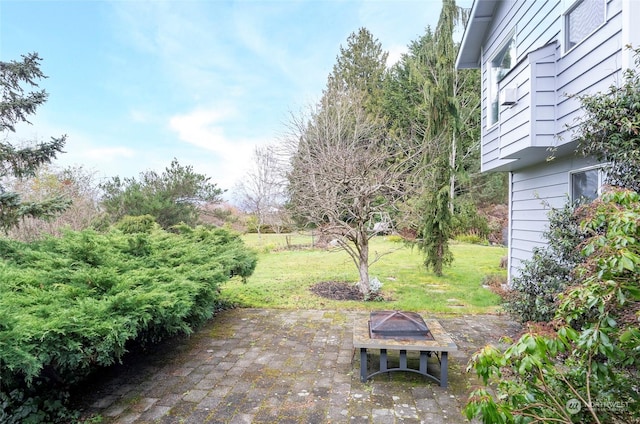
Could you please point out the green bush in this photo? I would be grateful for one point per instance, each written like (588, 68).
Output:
(71, 304)
(609, 130)
(467, 220)
(534, 292)
(471, 237)
(584, 367)
(136, 224)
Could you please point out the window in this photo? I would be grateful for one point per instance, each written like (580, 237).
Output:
(581, 20)
(499, 65)
(586, 184)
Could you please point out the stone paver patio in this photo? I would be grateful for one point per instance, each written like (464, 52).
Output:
(282, 366)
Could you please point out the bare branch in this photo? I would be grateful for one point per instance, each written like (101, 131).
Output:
(343, 175)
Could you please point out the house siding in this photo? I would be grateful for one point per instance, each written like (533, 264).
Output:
(543, 87)
(590, 67)
(536, 24)
(545, 114)
(543, 121)
(534, 191)
(531, 121)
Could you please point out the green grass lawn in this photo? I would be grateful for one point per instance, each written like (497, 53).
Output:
(283, 277)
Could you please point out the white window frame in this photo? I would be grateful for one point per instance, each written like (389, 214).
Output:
(570, 6)
(601, 179)
(491, 86)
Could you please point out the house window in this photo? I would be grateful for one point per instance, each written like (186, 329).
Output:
(499, 65)
(582, 19)
(586, 184)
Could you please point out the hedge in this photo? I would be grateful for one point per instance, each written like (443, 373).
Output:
(72, 304)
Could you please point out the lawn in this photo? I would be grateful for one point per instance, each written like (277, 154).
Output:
(286, 271)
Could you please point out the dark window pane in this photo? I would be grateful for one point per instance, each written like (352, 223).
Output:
(585, 185)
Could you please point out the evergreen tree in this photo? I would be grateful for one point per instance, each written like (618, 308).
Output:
(411, 88)
(16, 105)
(441, 132)
(434, 114)
(403, 97)
(172, 197)
(361, 67)
(437, 224)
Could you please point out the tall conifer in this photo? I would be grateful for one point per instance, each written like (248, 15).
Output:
(17, 104)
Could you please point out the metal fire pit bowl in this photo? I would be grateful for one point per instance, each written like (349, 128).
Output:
(398, 325)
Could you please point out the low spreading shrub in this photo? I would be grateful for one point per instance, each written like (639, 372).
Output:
(74, 303)
(471, 237)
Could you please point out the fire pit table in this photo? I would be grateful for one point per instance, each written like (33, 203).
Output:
(402, 331)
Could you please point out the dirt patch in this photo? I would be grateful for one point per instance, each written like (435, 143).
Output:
(341, 290)
(337, 290)
(497, 283)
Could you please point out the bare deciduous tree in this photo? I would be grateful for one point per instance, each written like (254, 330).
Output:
(262, 191)
(342, 175)
(74, 183)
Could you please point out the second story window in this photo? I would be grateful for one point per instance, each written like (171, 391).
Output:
(581, 20)
(499, 65)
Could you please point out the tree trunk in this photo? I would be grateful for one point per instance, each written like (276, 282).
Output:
(452, 177)
(363, 266)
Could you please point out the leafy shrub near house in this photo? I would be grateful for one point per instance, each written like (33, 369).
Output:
(71, 304)
(534, 292)
(608, 132)
(584, 366)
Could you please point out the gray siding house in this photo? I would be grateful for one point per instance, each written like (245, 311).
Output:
(533, 55)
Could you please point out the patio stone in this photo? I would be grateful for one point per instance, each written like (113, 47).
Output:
(281, 366)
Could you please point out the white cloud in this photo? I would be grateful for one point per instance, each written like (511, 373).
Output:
(140, 116)
(101, 155)
(81, 148)
(204, 128)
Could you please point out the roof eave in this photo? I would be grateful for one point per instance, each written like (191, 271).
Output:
(482, 12)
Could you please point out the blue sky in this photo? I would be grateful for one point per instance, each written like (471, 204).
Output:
(136, 83)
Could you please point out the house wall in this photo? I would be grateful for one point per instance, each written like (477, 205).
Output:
(590, 67)
(534, 191)
(545, 81)
(531, 122)
(536, 24)
(545, 114)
